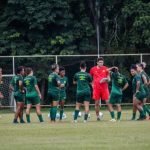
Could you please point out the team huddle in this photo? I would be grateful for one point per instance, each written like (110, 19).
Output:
(92, 85)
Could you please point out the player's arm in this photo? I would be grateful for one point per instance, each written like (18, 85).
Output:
(75, 79)
(11, 87)
(21, 86)
(137, 86)
(37, 88)
(111, 68)
(61, 85)
(107, 79)
(125, 86)
(144, 79)
(38, 91)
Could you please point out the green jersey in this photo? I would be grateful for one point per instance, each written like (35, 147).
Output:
(64, 80)
(15, 82)
(53, 79)
(29, 83)
(118, 82)
(137, 78)
(145, 86)
(145, 74)
(147, 77)
(83, 80)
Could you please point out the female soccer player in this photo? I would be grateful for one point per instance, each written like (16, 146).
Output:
(119, 84)
(33, 94)
(83, 95)
(138, 91)
(16, 85)
(145, 79)
(54, 86)
(64, 81)
(1, 82)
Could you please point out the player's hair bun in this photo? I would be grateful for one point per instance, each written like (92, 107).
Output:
(82, 64)
(54, 66)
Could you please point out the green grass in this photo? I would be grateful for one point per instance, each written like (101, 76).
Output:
(104, 135)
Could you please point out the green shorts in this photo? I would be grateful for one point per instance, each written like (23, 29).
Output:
(54, 96)
(32, 98)
(83, 96)
(140, 96)
(115, 98)
(62, 96)
(19, 97)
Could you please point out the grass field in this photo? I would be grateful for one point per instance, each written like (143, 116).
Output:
(65, 135)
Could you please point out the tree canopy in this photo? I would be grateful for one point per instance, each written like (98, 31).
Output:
(69, 26)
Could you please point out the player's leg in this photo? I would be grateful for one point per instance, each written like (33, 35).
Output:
(140, 108)
(54, 100)
(17, 112)
(1, 97)
(105, 97)
(87, 98)
(145, 108)
(21, 112)
(86, 112)
(118, 104)
(29, 106)
(62, 102)
(38, 111)
(96, 97)
(76, 112)
(118, 111)
(111, 110)
(53, 110)
(134, 109)
(97, 109)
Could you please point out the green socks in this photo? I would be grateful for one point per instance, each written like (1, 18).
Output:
(85, 116)
(28, 118)
(61, 114)
(133, 116)
(118, 115)
(146, 109)
(53, 112)
(76, 112)
(112, 114)
(40, 118)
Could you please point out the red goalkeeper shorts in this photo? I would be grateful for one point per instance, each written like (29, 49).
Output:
(101, 93)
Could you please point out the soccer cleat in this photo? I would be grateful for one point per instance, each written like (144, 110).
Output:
(98, 118)
(85, 121)
(22, 121)
(75, 121)
(133, 119)
(141, 118)
(113, 120)
(15, 121)
(148, 118)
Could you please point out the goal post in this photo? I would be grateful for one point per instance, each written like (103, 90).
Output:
(41, 66)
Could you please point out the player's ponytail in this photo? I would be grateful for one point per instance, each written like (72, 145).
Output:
(28, 70)
(82, 64)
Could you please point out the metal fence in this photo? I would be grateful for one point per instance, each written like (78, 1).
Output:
(41, 66)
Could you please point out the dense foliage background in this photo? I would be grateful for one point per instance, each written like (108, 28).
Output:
(29, 27)
(69, 26)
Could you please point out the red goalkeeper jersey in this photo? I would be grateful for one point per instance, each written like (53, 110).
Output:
(98, 73)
